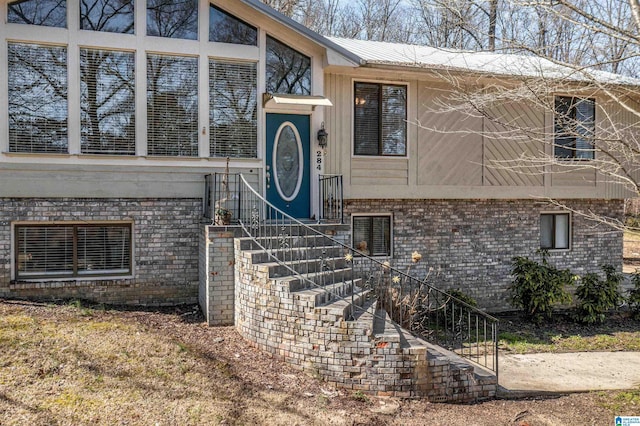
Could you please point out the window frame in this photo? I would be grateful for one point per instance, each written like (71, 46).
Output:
(75, 274)
(381, 85)
(572, 136)
(554, 246)
(371, 216)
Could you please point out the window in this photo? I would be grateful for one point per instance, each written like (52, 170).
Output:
(372, 235)
(554, 231)
(37, 98)
(107, 15)
(226, 28)
(48, 13)
(107, 102)
(574, 127)
(172, 105)
(288, 71)
(74, 250)
(233, 106)
(173, 19)
(380, 116)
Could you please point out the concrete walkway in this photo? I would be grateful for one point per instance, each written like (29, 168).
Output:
(533, 374)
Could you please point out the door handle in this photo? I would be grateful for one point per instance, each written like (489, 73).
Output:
(268, 176)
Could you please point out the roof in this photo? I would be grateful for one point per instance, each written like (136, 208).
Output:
(416, 56)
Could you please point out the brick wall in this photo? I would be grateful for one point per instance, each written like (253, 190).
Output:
(470, 243)
(165, 239)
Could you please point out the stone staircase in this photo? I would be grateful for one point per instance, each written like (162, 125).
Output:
(309, 310)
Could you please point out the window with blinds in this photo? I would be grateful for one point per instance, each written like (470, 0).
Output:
(233, 109)
(380, 119)
(37, 78)
(107, 15)
(172, 105)
(107, 82)
(173, 19)
(48, 13)
(372, 235)
(60, 251)
(574, 127)
(555, 231)
(226, 28)
(287, 70)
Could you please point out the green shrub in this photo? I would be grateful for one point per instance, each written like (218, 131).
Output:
(537, 288)
(634, 296)
(596, 296)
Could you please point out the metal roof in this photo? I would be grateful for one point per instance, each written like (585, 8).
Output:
(415, 56)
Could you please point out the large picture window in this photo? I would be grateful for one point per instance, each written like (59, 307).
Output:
(107, 15)
(172, 105)
(107, 82)
(226, 28)
(288, 71)
(574, 127)
(37, 98)
(372, 235)
(173, 19)
(74, 250)
(380, 115)
(233, 106)
(48, 13)
(555, 231)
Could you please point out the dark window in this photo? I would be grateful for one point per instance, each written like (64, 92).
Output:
(48, 13)
(372, 235)
(107, 15)
(226, 28)
(107, 101)
(554, 231)
(172, 105)
(37, 98)
(58, 251)
(380, 115)
(288, 71)
(233, 106)
(574, 127)
(173, 19)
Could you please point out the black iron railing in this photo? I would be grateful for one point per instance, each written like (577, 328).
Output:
(331, 198)
(221, 202)
(413, 303)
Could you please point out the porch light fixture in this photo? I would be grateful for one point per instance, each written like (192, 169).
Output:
(322, 136)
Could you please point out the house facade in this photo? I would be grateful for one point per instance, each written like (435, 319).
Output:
(114, 116)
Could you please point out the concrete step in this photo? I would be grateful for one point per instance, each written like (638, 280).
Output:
(344, 308)
(276, 242)
(276, 270)
(294, 254)
(326, 294)
(320, 278)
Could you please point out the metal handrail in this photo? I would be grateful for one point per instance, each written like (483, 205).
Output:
(331, 205)
(414, 304)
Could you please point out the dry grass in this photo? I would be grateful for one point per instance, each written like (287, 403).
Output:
(74, 365)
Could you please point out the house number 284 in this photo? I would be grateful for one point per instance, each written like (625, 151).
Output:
(319, 160)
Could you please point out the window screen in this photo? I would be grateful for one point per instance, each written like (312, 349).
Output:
(233, 105)
(574, 127)
(107, 15)
(288, 71)
(380, 113)
(173, 19)
(49, 13)
(172, 105)
(226, 28)
(37, 98)
(554, 231)
(45, 251)
(372, 235)
(107, 102)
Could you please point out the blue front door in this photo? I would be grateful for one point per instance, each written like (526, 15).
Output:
(287, 163)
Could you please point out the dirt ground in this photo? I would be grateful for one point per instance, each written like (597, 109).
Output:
(64, 364)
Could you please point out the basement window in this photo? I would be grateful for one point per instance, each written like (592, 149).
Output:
(555, 231)
(72, 250)
(372, 234)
